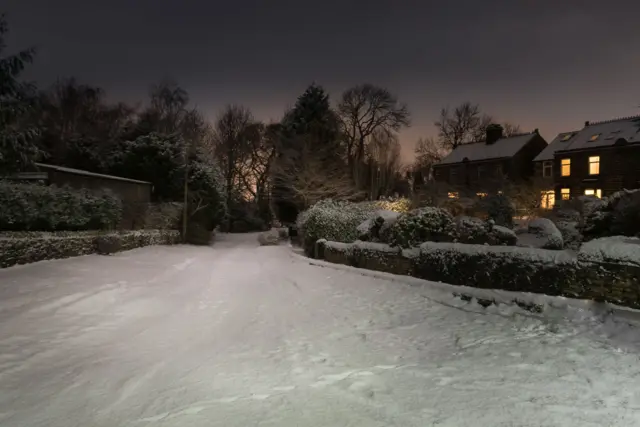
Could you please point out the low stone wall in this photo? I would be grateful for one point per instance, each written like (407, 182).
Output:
(556, 273)
(28, 247)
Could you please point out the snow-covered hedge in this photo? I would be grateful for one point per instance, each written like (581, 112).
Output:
(608, 270)
(547, 230)
(332, 220)
(422, 225)
(616, 249)
(49, 208)
(27, 247)
(476, 231)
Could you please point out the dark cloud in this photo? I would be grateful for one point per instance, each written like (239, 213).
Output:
(544, 64)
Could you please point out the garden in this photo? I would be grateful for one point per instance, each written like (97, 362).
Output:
(584, 248)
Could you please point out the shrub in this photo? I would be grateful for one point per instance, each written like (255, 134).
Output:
(27, 247)
(422, 225)
(546, 229)
(332, 220)
(375, 229)
(475, 231)
(497, 207)
(42, 208)
(619, 214)
(269, 238)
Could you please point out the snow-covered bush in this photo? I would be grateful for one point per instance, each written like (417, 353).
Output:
(48, 208)
(476, 231)
(375, 229)
(336, 221)
(618, 215)
(269, 238)
(497, 207)
(400, 205)
(422, 225)
(570, 234)
(545, 229)
(27, 247)
(502, 236)
(616, 249)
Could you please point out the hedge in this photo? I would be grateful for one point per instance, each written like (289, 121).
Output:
(27, 247)
(49, 208)
(605, 271)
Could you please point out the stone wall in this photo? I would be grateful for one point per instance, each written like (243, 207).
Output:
(556, 273)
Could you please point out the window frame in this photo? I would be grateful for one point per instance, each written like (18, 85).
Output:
(597, 192)
(566, 193)
(547, 199)
(547, 164)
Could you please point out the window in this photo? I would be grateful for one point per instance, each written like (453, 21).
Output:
(565, 193)
(547, 169)
(480, 171)
(548, 199)
(566, 167)
(481, 195)
(594, 137)
(593, 192)
(594, 165)
(566, 137)
(453, 195)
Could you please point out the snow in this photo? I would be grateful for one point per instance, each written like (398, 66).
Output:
(618, 249)
(238, 335)
(533, 254)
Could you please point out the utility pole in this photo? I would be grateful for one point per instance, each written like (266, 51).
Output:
(185, 208)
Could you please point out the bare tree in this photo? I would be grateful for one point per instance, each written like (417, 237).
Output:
(509, 129)
(462, 125)
(365, 109)
(231, 144)
(312, 175)
(428, 152)
(383, 152)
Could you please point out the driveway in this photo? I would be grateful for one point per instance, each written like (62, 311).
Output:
(241, 335)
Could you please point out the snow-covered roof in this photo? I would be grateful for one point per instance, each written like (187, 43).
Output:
(560, 142)
(477, 151)
(598, 134)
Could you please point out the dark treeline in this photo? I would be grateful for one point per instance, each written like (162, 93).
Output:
(240, 171)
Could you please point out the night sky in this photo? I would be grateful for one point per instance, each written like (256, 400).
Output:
(547, 64)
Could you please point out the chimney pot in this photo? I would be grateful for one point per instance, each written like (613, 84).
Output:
(586, 123)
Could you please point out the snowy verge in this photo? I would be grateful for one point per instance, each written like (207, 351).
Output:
(629, 315)
(33, 246)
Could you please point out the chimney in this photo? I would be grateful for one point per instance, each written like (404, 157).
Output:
(494, 133)
(586, 124)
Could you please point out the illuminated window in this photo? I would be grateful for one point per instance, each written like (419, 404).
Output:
(481, 195)
(594, 137)
(566, 137)
(547, 169)
(566, 167)
(548, 199)
(593, 192)
(453, 195)
(565, 193)
(594, 165)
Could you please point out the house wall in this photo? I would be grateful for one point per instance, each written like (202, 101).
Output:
(135, 196)
(619, 169)
(521, 166)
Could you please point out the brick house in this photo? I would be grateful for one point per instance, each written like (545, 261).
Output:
(481, 167)
(600, 159)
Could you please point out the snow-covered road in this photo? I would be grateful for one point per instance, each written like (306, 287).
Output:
(241, 335)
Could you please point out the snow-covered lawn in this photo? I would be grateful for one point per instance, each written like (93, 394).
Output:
(242, 335)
